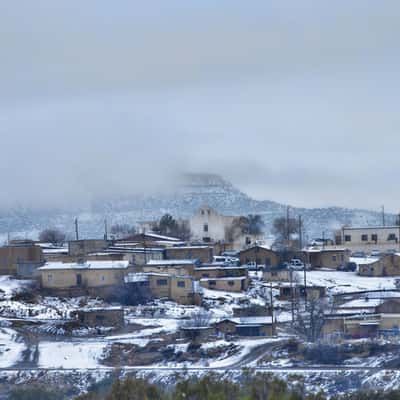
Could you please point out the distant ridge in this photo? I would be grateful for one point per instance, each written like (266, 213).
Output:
(195, 189)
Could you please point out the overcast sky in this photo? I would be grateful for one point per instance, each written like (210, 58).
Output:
(293, 101)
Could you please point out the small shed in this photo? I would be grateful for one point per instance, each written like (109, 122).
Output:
(111, 316)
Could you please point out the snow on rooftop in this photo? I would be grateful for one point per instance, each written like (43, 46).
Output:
(173, 262)
(162, 237)
(364, 260)
(226, 278)
(86, 265)
(362, 303)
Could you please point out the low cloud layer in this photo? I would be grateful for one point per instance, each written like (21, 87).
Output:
(292, 103)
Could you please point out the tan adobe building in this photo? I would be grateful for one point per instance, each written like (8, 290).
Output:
(278, 275)
(369, 238)
(84, 276)
(287, 292)
(172, 267)
(246, 326)
(227, 284)
(218, 271)
(259, 255)
(388, 265)
(19, 252)
(203, 253)
(320, 257)
(178, 288)
(80, 248)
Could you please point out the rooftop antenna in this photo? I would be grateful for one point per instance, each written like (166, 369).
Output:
(383, 216)
(105, 230)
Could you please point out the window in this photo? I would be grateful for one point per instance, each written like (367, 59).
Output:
(49, 278)
(333, 258)
(268, 261)
(100, 317)
(248, 240)
(202, 212)
(374, 237)
(78, 279)
(205, 228)
(181, 284)
(206, 275)
(391, 236)
(364, 238)
(347, 238)
(258, 261)
(162, 282)
(212, 283)
(102, 278)
(231, 283)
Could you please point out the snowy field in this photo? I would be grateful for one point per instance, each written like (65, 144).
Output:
(344, 282)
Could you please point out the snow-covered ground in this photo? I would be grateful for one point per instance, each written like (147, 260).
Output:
(344, 282)
(11, 347)
(10, 286)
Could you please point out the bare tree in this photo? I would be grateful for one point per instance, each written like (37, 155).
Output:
(193, 326)
(309, 323)
(52, 235)
(286, 232)
(251, 224)
(168, 225)
(122, 230)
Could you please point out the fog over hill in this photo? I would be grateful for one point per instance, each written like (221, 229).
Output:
(194, 190)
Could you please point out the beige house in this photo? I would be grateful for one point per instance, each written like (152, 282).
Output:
(325, 257)
(259, 255)
(172, 267)
(87, 276)
(217, 271)
(388, 265)
(369, 238)
(246, 326)
(227, 284)
(19, 253)
(202, 253)
(279, 275)
(80, 248)
(178, 288)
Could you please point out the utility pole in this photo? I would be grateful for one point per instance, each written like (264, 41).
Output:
(287, 225)
(105, 230)
(383, 216)
(76, 229)
(305, 282)
(272, 309)
(300, 233)
(292, 294)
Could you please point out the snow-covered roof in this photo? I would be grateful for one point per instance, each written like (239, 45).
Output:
(315, 249)
(226, 278)
(189, 247)
(86, 265)
(362, 303)
(162, 237)
(173, 262)
(219, 267)
(364, 261)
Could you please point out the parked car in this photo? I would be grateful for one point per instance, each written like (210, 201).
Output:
(348, 267)
(296, 264)
(358, 254)
(375, 253)
(226, 260)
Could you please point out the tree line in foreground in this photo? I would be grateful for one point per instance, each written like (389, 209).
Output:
(208, 387)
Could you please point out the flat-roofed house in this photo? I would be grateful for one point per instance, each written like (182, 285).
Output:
(80, 248)
(179, 288)
(23, 253)
(369, 238)
(387, 265)
(172, 267)
(246, 326)
(259, 255)
(327, 257)
(219, 271)
(227, 284)
(94, 277)
(202, 253)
